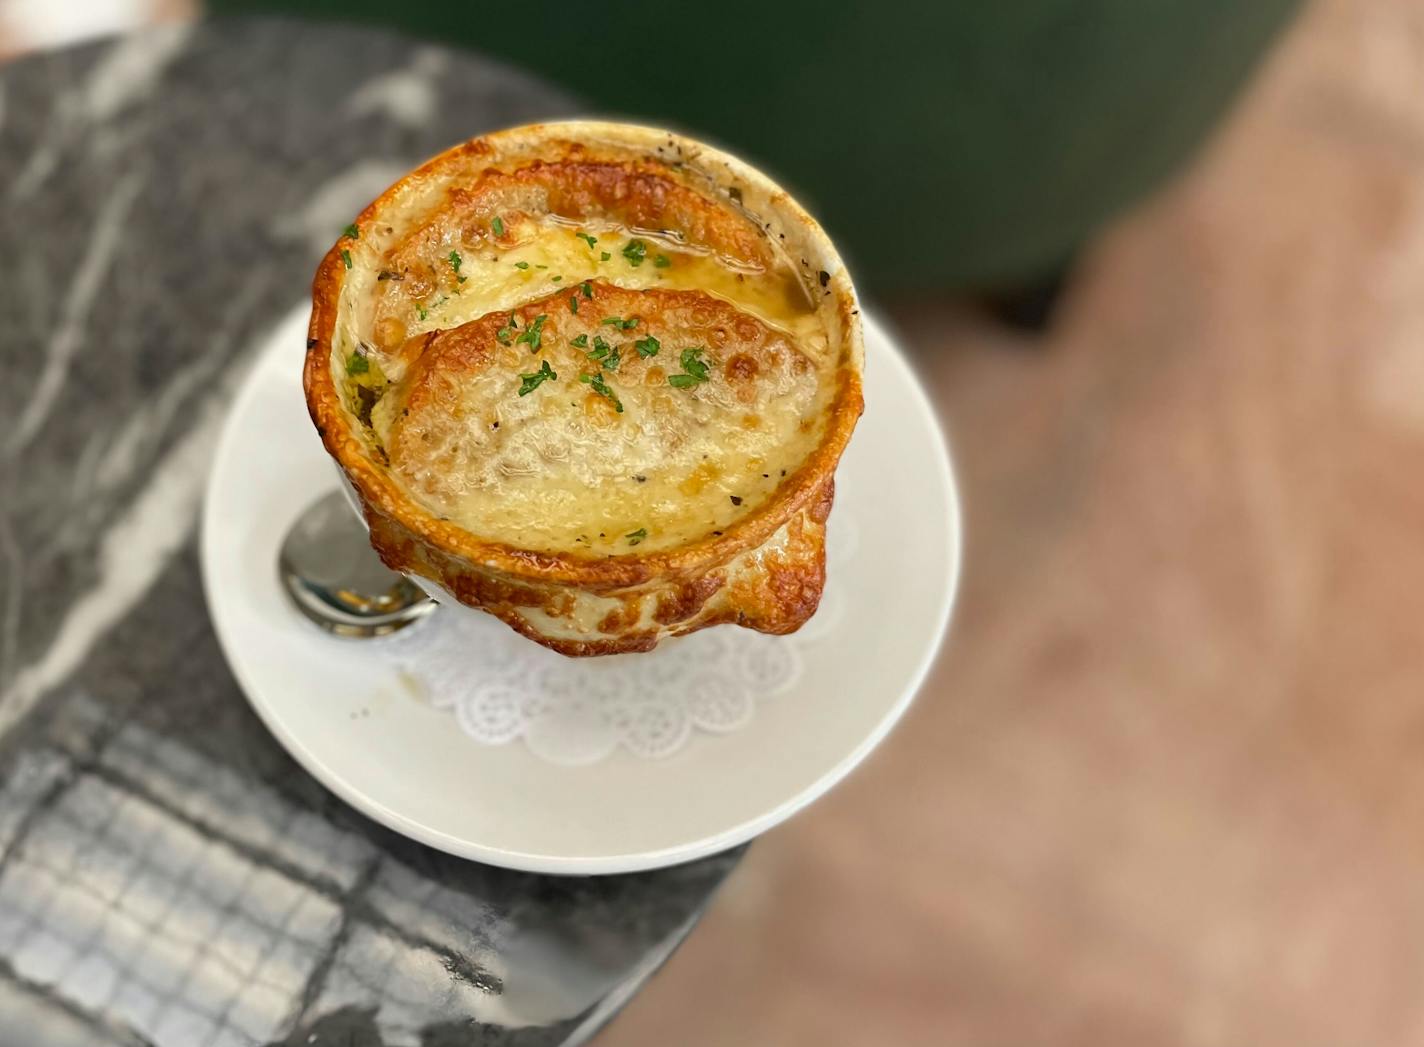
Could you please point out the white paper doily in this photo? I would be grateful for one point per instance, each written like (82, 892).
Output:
(501, 687)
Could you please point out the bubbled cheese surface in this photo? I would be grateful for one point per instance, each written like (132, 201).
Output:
(462, 321)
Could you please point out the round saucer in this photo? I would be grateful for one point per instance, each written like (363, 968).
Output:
(349, 718)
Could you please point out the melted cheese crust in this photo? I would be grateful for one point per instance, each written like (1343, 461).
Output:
(561, 469)
(483, 463)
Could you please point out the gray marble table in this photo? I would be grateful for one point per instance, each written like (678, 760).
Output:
(168, 876)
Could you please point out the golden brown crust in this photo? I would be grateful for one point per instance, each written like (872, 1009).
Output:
(766, 569)
(637, 194)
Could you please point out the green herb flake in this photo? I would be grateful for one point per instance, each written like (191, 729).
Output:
(505, 333)
(346, 257)
(619, 322)
(455, 260)
(573, 304)
(357, 364)
(497, 225)
(695, 367)
(599, 386)
(580, 342)
(538, 378)
(600, 348)
(693, 363)
(587, 289)
(662, 261)
(420, 311)
(556, 278)
(635, 251)
(634, 537)
(604, 256)
(351, 232)
(590, 240)
(647, 347)
(521, 265)
(534, 333)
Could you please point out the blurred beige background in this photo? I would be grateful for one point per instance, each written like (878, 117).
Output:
(1166, 785)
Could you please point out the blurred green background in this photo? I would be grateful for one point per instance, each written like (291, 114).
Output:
(970, 145)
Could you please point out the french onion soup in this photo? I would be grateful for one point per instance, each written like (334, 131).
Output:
(593, 379)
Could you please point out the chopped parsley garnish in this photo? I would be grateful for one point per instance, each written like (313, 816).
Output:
(580, 341)
(600, 348)
(556, 279)
(587, 289)
(648, 346)
(590, 240)
(693, 364)
(599, 386)
(351, 232)
(505, 333)
(346, 257)
(573, 304)
(521, 265)
(635, 251)
(357, 364)
(604, 256)
(538, 378)
(618, 321)
(662, 261)
(634, 537)
(695, 367)
(455, 260)
(533, 334)
(420, 311)
(541, 267)
(497, 225)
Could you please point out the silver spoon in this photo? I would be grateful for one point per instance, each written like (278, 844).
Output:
(335, 578)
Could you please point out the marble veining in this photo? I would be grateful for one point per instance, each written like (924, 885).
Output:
(85, 283)
(124, 75)
(407, 96)
(131, 553)
(168, 875)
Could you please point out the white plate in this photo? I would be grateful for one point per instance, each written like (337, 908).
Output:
(343, 713)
